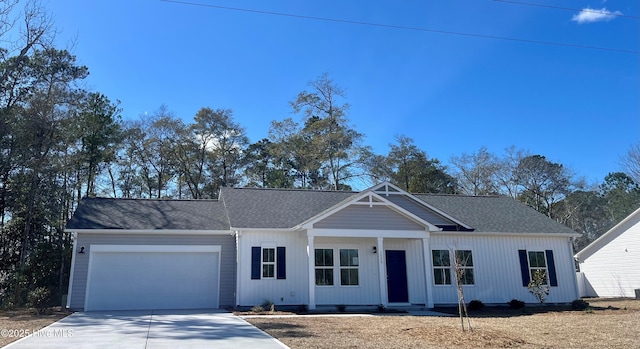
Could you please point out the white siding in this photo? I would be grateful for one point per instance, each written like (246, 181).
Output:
(614, 269)
(291, 291)
(497, 268)
(368, 292)
(415, 267)
(294, 290)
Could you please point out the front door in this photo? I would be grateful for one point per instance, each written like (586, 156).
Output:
(397, 276)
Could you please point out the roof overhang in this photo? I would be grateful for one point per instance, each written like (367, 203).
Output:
(150, 231)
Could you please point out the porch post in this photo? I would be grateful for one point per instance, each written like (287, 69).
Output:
(382, 273)
(312, 273)
(426, 252)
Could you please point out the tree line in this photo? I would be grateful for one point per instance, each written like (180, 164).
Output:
(60, 142)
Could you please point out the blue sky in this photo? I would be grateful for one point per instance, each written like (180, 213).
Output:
(451, 93)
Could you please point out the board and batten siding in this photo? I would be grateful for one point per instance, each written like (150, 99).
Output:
(497, 268)
(293, 290)
(377, 217)
(368, 290)
(613, 270)
(415, 267)
(227, 259)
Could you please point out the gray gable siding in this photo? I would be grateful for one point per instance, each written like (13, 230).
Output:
(419, 210)
(227, 259)
(365, 217)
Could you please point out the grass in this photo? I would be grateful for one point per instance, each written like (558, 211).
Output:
(16, 324)
(608, 324)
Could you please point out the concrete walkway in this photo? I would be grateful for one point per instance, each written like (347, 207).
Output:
(191, 329)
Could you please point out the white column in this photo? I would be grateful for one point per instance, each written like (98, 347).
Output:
(312, 273)
(382, 273)
(426, 252)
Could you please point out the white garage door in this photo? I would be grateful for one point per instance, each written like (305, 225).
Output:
(152, 277)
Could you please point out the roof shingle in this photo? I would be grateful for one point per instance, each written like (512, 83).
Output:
(149, 214)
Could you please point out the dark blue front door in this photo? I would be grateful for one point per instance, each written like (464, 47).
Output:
(397, 276)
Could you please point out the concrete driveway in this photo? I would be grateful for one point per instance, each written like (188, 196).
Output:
(191, 329)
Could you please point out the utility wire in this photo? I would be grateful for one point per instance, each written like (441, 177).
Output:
(380, 25)
(568, 8)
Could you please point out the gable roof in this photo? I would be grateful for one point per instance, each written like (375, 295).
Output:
(277, 208)
(254, 208)
(149, 214)
(496, 214)
(607, 237)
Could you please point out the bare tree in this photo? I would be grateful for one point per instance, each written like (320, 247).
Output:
(460, 261)
(631, 162)
(476, 172)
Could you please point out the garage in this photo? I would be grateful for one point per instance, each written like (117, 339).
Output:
(136, 277)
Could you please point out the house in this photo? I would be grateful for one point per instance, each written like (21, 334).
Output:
(381, 246)
(609, 266)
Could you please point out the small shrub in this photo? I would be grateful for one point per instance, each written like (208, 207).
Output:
(268, 305)
(257, 309)
(538, 286)
(341, 308)
(516, 304)
(588, 310)
(475, 305)
(579, 304)
(40, 299)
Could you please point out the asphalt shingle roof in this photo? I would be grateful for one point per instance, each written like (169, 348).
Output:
(148, 214)
(496, 214)
(287, 208)
(277, 208)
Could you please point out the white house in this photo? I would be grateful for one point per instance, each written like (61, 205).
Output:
(610, 266)
(381, 246)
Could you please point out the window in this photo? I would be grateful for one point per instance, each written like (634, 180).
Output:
(349, 267)
(324, 267)
(441, 267)
(537, 262)
(464, 260)
(268, 262)
(532, 261)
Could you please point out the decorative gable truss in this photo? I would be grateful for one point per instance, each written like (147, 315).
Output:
(384, 207)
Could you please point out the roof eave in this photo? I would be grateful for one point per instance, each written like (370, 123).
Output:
(150, 231)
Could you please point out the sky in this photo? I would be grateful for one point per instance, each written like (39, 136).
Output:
(453, 75)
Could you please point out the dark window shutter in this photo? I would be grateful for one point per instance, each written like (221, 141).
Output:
(551, 266)
(281, 261)
(255, 262)
(524, 267)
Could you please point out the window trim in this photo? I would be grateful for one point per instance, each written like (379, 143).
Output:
(445, 268)
(349, 267)
(324, 267)
(533, 269)
(264, 263)
(466, 267)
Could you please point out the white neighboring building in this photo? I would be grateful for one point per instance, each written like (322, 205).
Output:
(610, 266)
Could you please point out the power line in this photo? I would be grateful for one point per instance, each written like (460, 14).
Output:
(568, 8)
(380, 25)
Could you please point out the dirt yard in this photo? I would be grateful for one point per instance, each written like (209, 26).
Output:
(606, 324)
(15, 324)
